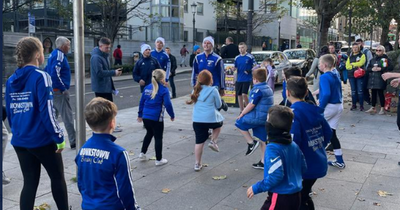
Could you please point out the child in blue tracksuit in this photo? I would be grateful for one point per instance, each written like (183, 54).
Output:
(331, 100)
(255, 114)
(155, 98)
(284, 164)
(311, 132)
(206, 100)
(104, 169)
(287, 73)
(37, 137)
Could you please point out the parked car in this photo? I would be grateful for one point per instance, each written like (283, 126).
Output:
(302, 58)
(280, 61)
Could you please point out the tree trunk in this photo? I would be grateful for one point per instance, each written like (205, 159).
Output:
(385, 32)
(324, 24)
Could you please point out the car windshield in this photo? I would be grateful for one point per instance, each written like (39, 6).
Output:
(259, 57)
(296, 54)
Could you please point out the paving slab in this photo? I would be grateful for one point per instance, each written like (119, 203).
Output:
(388, 184)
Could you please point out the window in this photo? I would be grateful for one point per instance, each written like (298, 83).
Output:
(185, 6)
(199, 36)
(185, 36)
(175, 12)
(200, 8)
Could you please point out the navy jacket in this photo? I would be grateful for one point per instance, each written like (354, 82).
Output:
(212, 63)
(258, 115)
(100, 72)
(153, 109)
(164, 61)
(312, 133)
(104, 175)
(29, 106)
(59, 70)
(143, 70)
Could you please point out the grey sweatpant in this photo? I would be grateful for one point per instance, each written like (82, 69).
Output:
(63, 108)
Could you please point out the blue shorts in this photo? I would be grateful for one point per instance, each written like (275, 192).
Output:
(259, 131)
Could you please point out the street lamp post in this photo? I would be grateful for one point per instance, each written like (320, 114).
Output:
(194, 10)
(279, 32)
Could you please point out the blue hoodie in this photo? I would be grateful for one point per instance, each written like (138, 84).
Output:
(165, 63)
(212, 63)
(153, 109)
(59, 70)
(205, 110)
(330, 89)
(29, 106)
(284, 164)
(100, 72)
(143, 70)
(312, 133)
(104, 175)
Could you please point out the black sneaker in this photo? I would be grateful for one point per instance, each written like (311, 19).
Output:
(329, 147)
(258, 165)
(73, 146)
(224, 106)
(252, 147)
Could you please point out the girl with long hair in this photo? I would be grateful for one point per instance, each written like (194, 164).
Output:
(206, 100)
(155, 99)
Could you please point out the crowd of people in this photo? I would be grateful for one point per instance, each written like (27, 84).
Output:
(293, 136)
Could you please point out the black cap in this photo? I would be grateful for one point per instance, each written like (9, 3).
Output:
(359, 40)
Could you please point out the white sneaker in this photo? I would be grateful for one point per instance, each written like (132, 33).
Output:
(142, 157)
(198, 167)
(161, 162)
(382, 112)
(117, 129)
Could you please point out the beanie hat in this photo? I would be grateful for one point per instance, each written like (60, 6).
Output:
(210, 39)
(144, 47)
(196, 47)
(160, 39)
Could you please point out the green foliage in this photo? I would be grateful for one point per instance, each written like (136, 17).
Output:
(394, 56)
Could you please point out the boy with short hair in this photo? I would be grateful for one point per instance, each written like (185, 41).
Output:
(243, 64)
(287, 73)
(331, 100)
(104, 171)
(311, 132)
(284, 163)
(255, 114)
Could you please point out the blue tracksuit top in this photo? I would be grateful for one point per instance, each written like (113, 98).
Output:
(244, 64)
(283, 166)
(144, 68)
(212, 63)
(29, 106)
(153, 109)
(59, 70)
(163, 59)
(312, 133)
(330, 89)
(258, 115)
(104, 175)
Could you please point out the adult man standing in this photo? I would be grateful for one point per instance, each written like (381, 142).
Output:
(100, 70)
(183, 53)
(60, 72)
(244, 64)
(142, 72)
(230, 50)
(162, 57)
(368, 57)
(174, 66)
(118, 55)
(332, 50)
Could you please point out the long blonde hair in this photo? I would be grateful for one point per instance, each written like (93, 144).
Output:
(158, 75)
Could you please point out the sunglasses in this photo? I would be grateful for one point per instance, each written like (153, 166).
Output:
(379, 50)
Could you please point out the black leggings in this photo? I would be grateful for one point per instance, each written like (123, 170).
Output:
(156, 129)
(30, 161)
(107, 96)
(335, 141)
(376, 92)
(306, 201)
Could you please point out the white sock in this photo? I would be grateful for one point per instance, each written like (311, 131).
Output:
(337, 152)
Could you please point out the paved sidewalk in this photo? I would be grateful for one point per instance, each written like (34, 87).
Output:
(126, 76)
(371, 150)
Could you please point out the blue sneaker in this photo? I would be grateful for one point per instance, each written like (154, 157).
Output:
(337, 164)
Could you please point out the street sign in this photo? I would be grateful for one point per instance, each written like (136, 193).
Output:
(31, 19)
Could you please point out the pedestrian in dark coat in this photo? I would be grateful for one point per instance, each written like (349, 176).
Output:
(174, 66)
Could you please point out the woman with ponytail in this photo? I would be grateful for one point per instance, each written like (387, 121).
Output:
(206, 100)
(155, 99)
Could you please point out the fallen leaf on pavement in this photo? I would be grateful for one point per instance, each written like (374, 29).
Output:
(321, 189)
(376, 204)
(165, 190)
(361, 199)
(352, 125)
(219, 177)
(236, 169)
(131, 152)
(44, 206)
(152, 158)
(384, 193)
(74, 179)
(205, 165)
(245, 186)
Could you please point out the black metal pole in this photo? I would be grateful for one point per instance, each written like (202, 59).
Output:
(279, 34)
(194, 29)
(350, 13)
(250, 25)
(2, 71)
